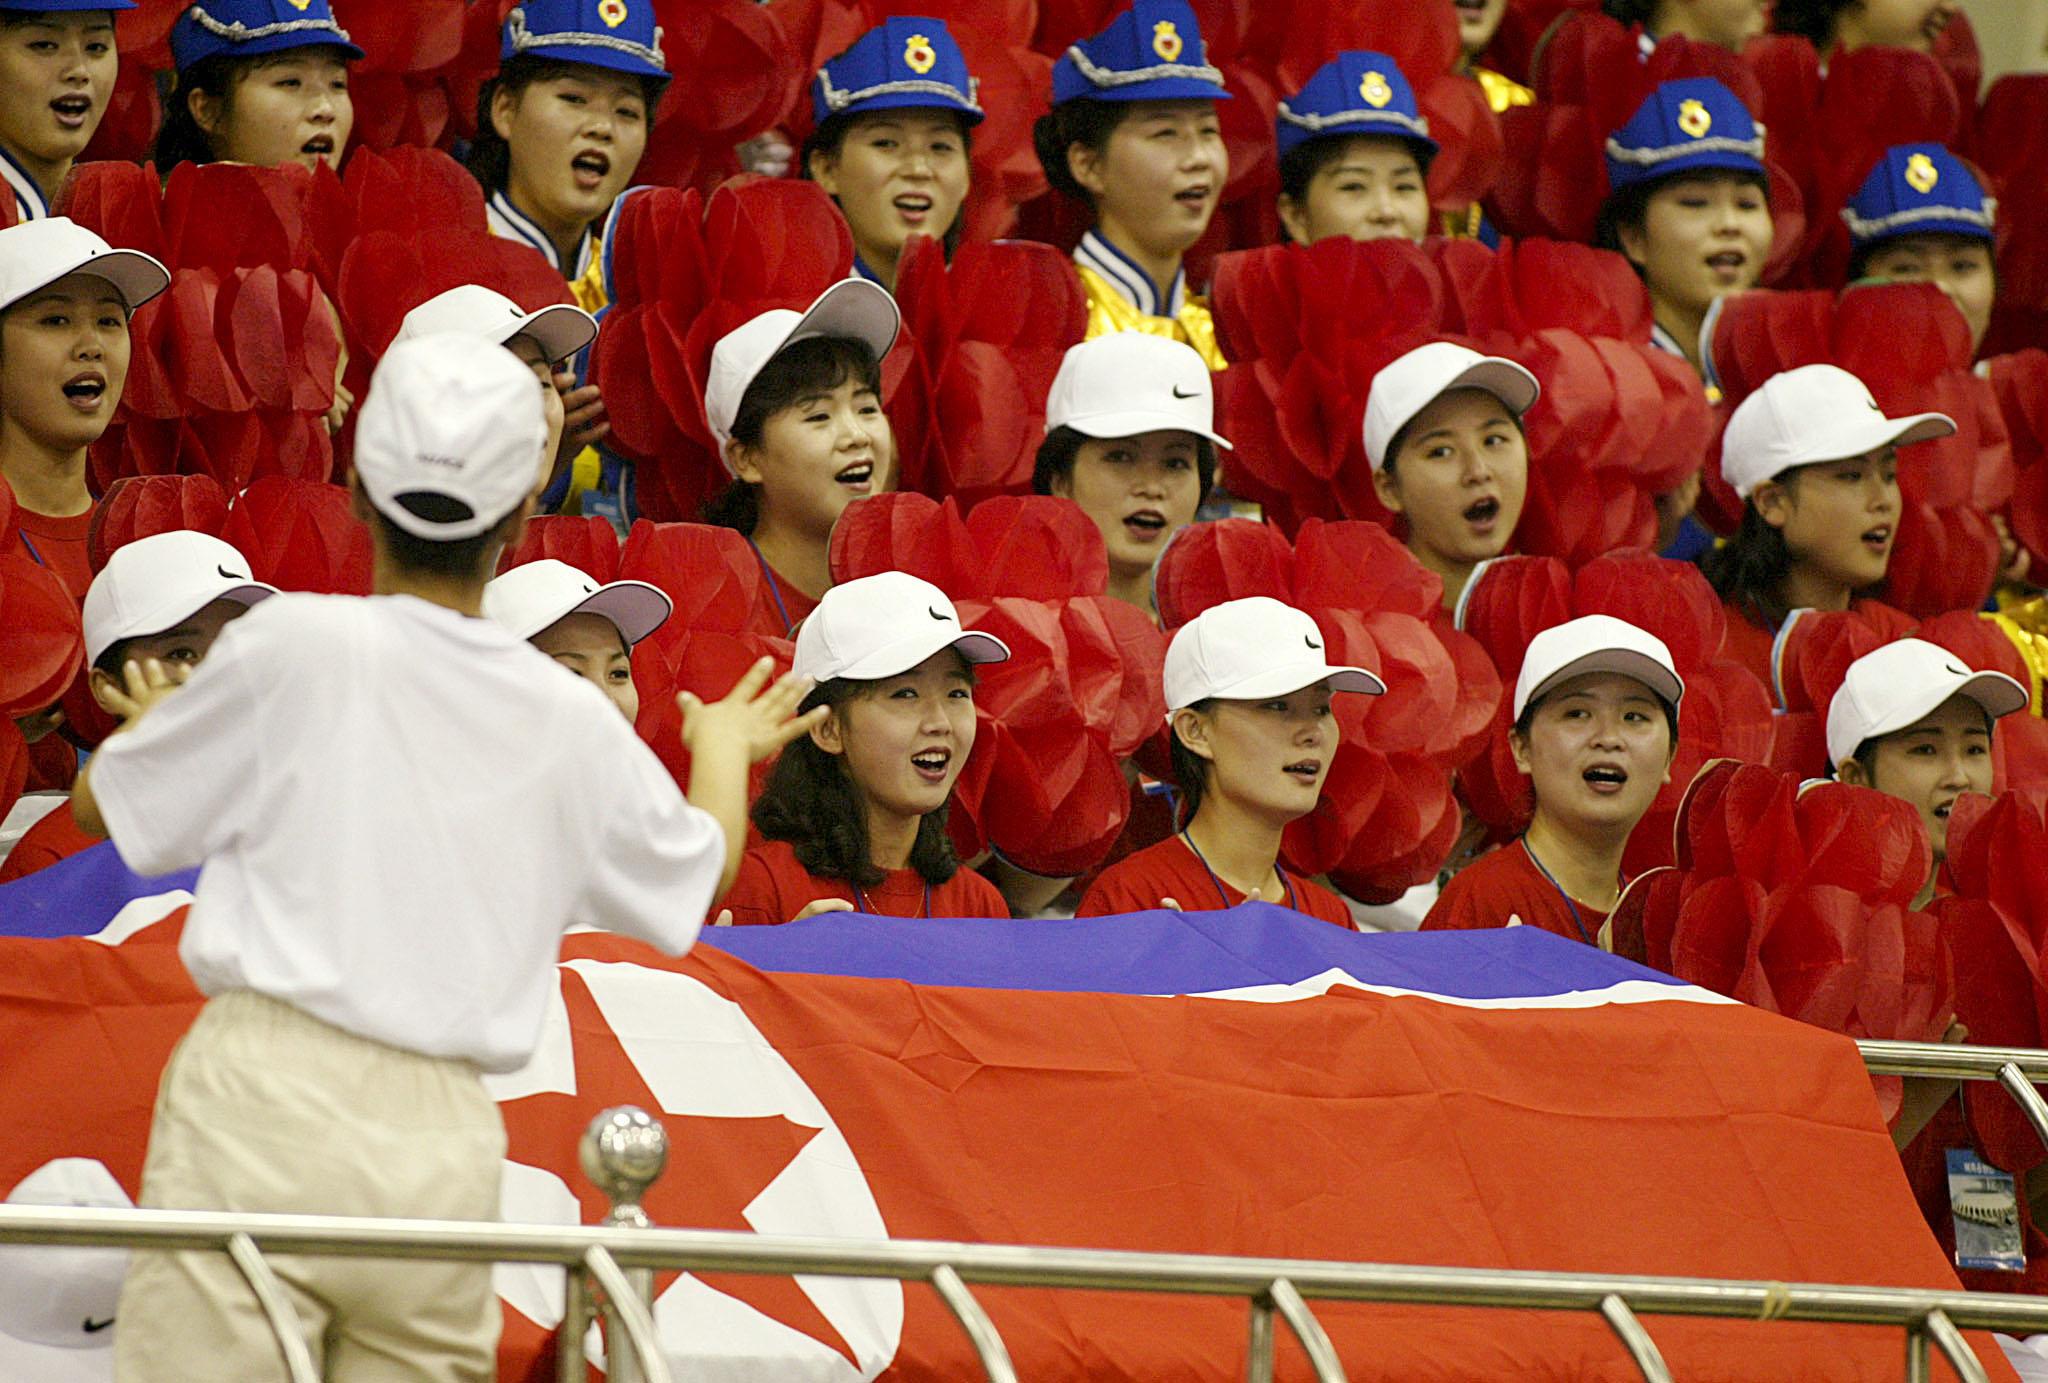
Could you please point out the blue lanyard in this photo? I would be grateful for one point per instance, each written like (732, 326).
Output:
(860, 901)
(1572, 906)
(37, 556)
(1285, 883)
(774, 589)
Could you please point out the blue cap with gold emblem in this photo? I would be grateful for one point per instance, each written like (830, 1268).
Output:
(1356, 92)
(247, 28)
(1919, 189)
(902, 62)
(1153, 51)
(618, 34)
(1682, 127)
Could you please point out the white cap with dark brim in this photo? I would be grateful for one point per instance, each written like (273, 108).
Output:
(35, 254)
(1808, 417)
(535, 596)
(1595, 643)
(156, 583)
(559, 329)
(883, 626)
(1895, 687)
(1424, 375)
(1250, 649)
(853, 308)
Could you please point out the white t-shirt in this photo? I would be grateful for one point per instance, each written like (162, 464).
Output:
(400, 810)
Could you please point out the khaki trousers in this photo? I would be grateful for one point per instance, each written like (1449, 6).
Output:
(264, 1108)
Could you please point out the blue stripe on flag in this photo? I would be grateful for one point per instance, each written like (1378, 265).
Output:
(80, 895)
(1177, 953)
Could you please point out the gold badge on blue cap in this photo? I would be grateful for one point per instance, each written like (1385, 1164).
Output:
(919, 55)
(613, 12)
(1375, 91)
(300, 5)
(1166, 40)
(1694, 118)
(1921, 174)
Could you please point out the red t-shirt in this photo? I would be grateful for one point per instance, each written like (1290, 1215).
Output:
(777, 620)
(1171, 869)
(60, 545)
(56, 837)
(772, 887)
(1503, 884)
(1749, 643)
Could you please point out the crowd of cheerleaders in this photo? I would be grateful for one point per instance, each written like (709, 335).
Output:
(794, 401)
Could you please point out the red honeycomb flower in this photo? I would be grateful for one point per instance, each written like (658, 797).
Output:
(142, 506)
(1044, 784)
(1799, 902)
(2011, 142)
(1386, 819)
(987, 333)
(301, 535)
(1726, 712)
(585, 542)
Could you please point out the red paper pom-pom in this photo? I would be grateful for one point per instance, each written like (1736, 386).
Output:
(139, 506)
(301, 535)
(586, 542)
(41, 644)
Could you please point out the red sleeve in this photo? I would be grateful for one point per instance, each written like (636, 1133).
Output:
(1124, 887)
(1478, 896)
(771, 887)
(1320, 903)
(56, 836)
(968, 894)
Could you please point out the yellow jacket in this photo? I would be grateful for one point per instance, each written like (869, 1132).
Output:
(1122, 298)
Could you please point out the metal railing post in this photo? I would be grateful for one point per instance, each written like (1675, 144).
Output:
(1954, 1348)
(623, 1153)
(981, 1331)
(277, 1309)
(2027, 1097)
(1916, 1354)
(1322, 1355)
(1641, 1348)
(1259, 1366)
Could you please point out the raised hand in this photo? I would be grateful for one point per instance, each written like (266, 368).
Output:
(144, 684)
(764, 721)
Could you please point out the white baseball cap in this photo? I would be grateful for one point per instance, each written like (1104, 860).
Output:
(851, 307)
(153, 583)
(1595, 643)
(57, 1301)
(1245, 649)
(455, 418)
(533, 596)
(1424, 375)
(36, 254)
(1129, 383)
(559, 329)
(883, 626)
(1806, 416)
(1893, 688)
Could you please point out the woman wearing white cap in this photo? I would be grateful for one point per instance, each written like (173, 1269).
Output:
(545, 340)
(795, 402)
(854, 814)
(589, 629)
(1130, 436)
(1443, 434)
(1912, 721)
(1248, 690)
(65, 299)
(1596, 726)
(165, 597)
(1815, 462)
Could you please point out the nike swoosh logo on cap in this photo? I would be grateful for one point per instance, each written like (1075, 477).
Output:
(936, 615)
(231, 575)
(93, 1327)
(1191, 394)
(1958, 671)
(1311, 643)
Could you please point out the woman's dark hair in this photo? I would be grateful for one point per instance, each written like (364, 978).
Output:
(1528, 717)
(830, 137)
(1866, 752)
(1061, 445)
(1750, 568)
(816, 365)
(1628, 207)
(1299, 165)
(181, 140)
(1812, 20)
(1629, 11)
(811, 802)
(1400, 437)
(490, 157)
(1080, 121)
(1190, 770)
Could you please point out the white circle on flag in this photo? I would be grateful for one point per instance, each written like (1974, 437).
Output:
(700, 1055)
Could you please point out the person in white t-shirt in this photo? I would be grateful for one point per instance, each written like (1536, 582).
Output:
(399, 807)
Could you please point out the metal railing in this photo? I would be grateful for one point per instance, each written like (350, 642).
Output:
(611, 1265)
